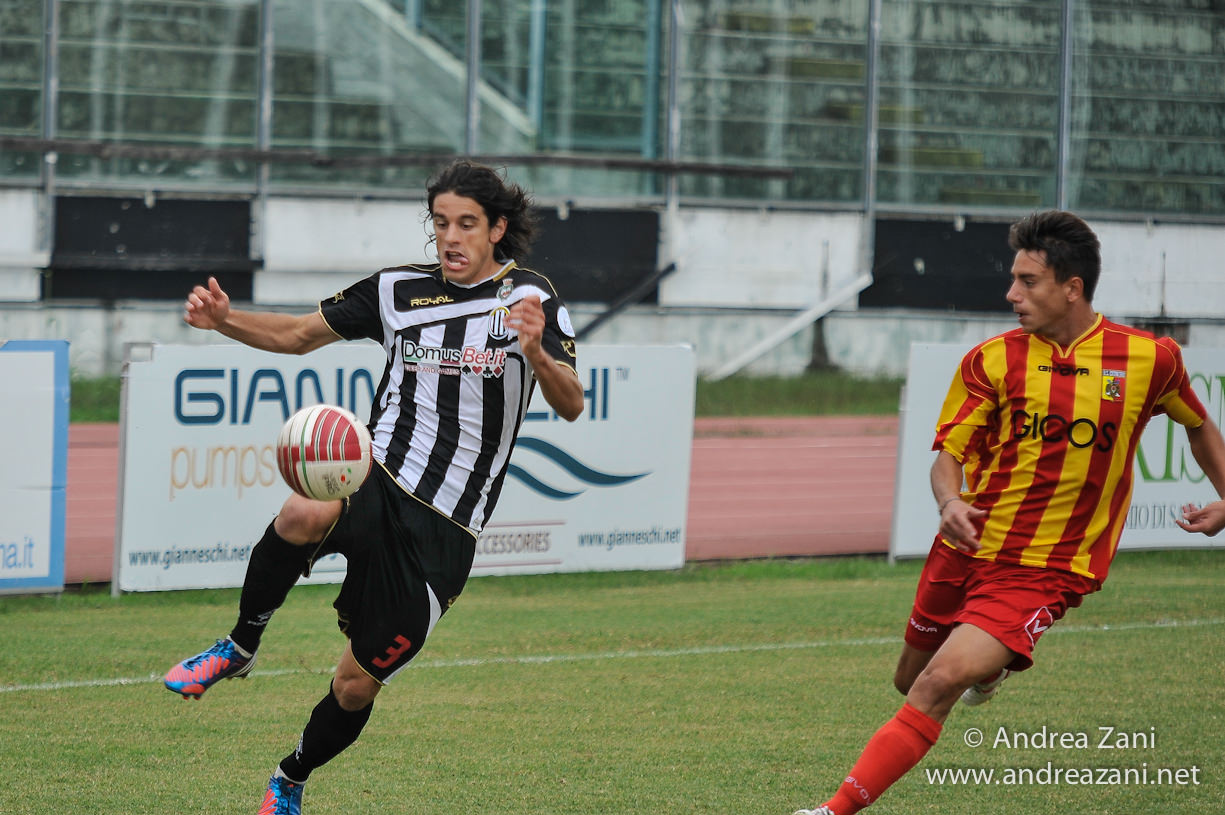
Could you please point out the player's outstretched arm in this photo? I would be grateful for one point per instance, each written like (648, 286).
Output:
(208, 308)
(1208, 448)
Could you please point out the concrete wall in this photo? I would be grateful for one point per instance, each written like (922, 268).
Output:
(20, 239)
(741, 275)
(758, 258)
(867, 342)
(1149, 270)
(314, 247)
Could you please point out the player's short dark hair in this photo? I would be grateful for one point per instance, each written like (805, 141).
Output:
(1071, 247)
(498, 198)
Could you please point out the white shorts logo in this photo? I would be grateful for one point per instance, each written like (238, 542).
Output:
(1042, 620)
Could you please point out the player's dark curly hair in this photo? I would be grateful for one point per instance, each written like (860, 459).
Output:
(1072, 250)
(498, 198)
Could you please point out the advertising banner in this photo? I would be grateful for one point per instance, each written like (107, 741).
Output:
(199, 481)
(1166, 476)
(33, 482)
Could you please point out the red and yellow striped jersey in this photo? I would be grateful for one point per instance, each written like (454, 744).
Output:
(1047, 437)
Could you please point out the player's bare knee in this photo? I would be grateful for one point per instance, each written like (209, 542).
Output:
(354, 692)
(938, 683)
(303, 521)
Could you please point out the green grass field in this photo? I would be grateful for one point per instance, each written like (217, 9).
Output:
(739, 689)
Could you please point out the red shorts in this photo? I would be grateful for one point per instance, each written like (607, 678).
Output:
(1014, 604)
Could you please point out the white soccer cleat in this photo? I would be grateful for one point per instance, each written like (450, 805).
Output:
(981, 692)
(817, 811)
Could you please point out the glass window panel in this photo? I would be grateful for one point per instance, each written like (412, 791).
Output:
(571, 76)
(969, 102)
(506, 46)
(512, 76)
(1148, 84)
(775, 83)
(21, 79)
(969, 96)
(595, 78)
(161, 74)
(445, 21)
(357, 80)
(600, 89)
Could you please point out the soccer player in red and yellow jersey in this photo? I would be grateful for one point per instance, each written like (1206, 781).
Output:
(1040, 426)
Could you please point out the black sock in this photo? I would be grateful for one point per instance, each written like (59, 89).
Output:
(330, 730)
(273, 569)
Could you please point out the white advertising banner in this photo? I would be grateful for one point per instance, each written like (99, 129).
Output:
(1166, 475)
(199, 481)
(33, 482)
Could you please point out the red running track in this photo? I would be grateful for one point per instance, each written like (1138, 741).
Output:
(765, 487)
(791, 486)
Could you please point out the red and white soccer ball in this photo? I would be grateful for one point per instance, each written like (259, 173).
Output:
(323, 452)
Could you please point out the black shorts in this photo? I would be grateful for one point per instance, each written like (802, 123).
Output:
(406, 565)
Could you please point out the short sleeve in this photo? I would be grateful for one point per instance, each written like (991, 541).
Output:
(969, 407)
(558, 338)
(1177, 399)
(354, 313)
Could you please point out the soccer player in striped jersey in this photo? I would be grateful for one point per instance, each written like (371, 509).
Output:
(467, 340)
(1040, 427)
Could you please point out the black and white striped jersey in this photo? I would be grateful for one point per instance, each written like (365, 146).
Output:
(456, 386)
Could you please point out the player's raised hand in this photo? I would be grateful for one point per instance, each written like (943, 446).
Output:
(1209, 519)
(207, 308)
(527, 318)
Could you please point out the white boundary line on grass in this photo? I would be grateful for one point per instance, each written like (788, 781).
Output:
(660, 653)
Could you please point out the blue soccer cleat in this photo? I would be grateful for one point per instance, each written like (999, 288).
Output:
(284, 797)
(194, 675)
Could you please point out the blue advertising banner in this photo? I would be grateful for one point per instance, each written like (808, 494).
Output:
(33, 484)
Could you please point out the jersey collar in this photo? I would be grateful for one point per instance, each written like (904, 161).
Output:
(505, 270)
(498, 275)
(1089, 332)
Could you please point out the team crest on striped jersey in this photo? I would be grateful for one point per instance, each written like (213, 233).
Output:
(497, 323)
(1112, 385)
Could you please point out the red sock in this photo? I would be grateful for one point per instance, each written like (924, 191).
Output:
(896, 748)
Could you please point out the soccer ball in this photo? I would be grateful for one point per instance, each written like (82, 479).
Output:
(323, 452)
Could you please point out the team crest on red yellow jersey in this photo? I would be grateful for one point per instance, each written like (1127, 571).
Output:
(1112, 385)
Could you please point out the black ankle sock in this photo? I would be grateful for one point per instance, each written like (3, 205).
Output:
(329, 731)
(273, 569)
